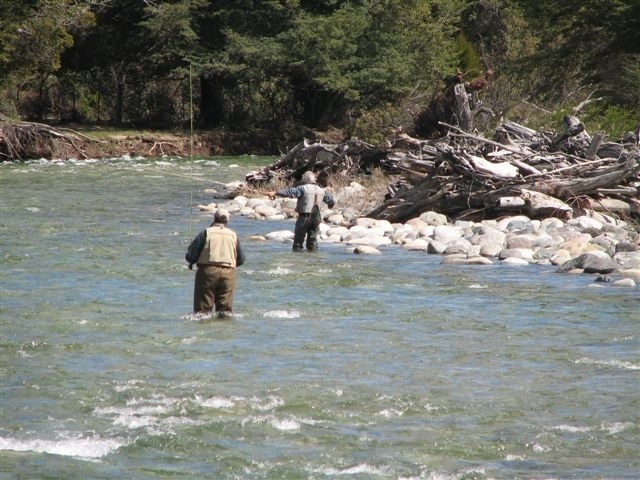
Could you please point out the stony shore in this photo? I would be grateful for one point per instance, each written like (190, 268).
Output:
(595, 244)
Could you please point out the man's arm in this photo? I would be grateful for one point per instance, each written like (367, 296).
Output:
(291, 192)
(239, 253)
(193, 252)
(328, 199)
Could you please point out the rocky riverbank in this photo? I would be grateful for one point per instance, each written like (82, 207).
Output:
(592, 244)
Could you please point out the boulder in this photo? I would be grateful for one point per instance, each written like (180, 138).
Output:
(522, 253)
(434, 218)
(490, 250)
(419, 244)
(446, 233)
(436, 247)
(628, 259)
(366, 250)
(591, 263)
(514, 261)
(280, 235)
(624, 282)
(586, 224)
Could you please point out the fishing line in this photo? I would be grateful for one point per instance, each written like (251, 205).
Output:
(191, 150)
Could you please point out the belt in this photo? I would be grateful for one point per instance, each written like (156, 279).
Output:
(217, 265)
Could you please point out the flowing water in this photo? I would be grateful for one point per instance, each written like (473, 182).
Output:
(335, 366)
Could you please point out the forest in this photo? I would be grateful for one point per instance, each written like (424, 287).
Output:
(275, 70)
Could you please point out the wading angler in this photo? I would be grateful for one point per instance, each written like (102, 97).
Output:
(217, 252)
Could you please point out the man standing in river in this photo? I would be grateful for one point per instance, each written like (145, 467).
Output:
(217, 252)
(308, 193)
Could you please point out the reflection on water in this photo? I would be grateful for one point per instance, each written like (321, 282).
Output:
(333, 365)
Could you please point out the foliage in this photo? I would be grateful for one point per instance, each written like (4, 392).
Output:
(583, 40)
(41, 33)
(613, 119)
(365, 66)
(13, 14)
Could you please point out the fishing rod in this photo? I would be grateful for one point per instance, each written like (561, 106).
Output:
(191, 177)
(191, 147)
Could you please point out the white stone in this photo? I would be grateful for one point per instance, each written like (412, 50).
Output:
(489, 236)
(366, 250)
(254, 202)
(265, 210)
(478, 260)
(419, 244)
(490, 249)
(518, 262)
(277, 216)
(436, 247)
(551, 222)
(338, 230)
(631, 273)
(520, 241)
(434, 218)
(522, 253)
(385, 225)
(336, 219)
(624, 282)
(207, 208)
(401, 232)
(446, 233)
(284, 203)
(364, 222)
(280, 235)
(586, 223)
(474, 251)
(454, 258)
(246, 211)
(427, 231)
(416, 223)
(455, 248)
(333, 238)
(356, 233)
(630, 260)
(376, 241)
(561, 257)
(600, 254)
(503, 225)
(240, 201)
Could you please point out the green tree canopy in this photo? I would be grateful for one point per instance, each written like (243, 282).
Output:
(277, 63)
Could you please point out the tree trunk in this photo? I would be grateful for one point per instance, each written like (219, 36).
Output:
(211, 102)
(465, 116)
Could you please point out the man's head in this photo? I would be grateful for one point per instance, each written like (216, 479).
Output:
(309, 177)
(221, 216)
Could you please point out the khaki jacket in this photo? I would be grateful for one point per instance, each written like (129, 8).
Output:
(219, 247)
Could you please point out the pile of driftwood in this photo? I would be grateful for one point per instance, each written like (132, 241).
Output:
(466, 176)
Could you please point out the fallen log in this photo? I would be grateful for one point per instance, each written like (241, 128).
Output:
(501, 170)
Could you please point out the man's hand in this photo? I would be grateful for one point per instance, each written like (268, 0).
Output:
(272, 195)
(191, 266)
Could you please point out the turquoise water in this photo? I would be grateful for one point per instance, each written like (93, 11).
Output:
(336, 366)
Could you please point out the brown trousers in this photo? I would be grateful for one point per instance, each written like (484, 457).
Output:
(303, 229)
(214, 287)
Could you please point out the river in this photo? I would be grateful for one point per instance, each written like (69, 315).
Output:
(335, 366)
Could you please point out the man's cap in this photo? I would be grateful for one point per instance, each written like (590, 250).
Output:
(221, 216)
